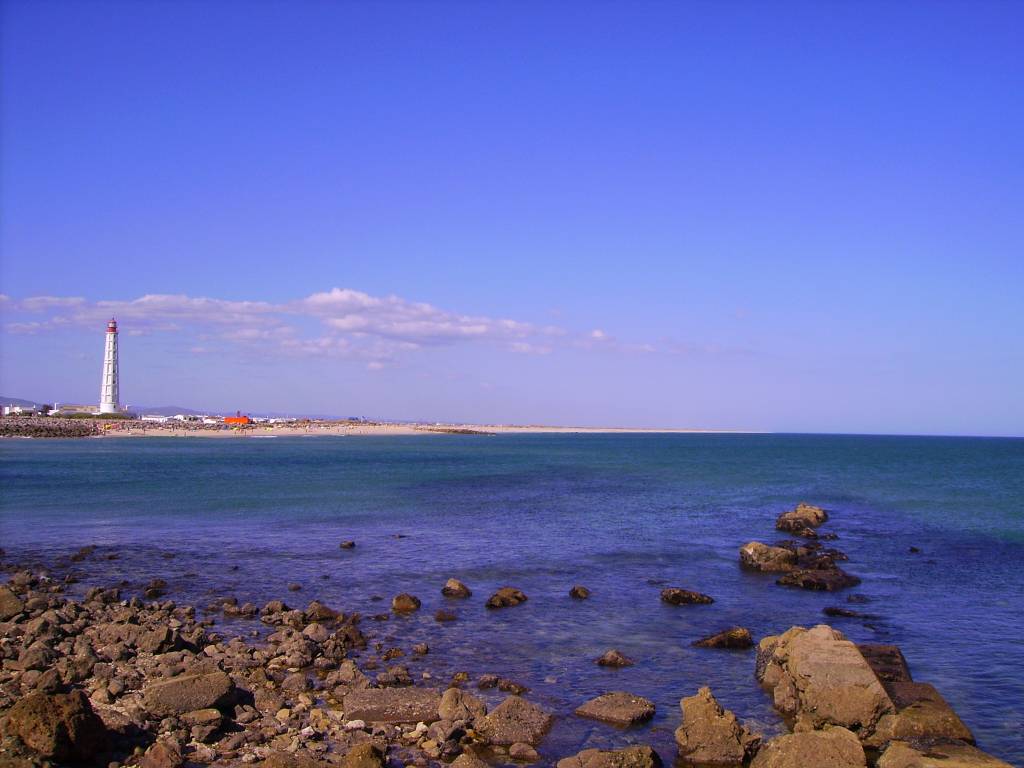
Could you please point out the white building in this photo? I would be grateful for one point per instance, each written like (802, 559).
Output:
(109, 389)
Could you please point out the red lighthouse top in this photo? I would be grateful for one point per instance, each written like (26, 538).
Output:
(112, 326)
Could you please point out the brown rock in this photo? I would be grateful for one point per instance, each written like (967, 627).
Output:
(677, 596)
(710, 735)
(392, 705)
(444, 615)
(579, 592)
(405, 603)
(639, 756)
(185, 693)
(506, 597)
(803, 517)
(469, 760)
(523, 753)
(820, 675)
(365, 755)
(903, 755)
(10, 604)
(835, 748)
(826, 580)
(614, 658)
(921, 714)
(618, 708)
(162, 754)
(734, 638)
(887, 661)
(455, 588)
(347, 544)
(762, 557)
(515, 720)
(57, 726)
(459, 705)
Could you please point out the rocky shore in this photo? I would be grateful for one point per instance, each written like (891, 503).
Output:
(116, 679)
(47, 426)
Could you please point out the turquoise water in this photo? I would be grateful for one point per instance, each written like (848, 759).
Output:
(622, 514)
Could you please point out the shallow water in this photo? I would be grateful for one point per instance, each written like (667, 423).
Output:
(544, 512)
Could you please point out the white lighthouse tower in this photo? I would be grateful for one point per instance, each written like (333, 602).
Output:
(109, 395)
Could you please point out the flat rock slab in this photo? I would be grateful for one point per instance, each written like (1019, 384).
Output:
(392, 705)
(516, 720)
(639, 756)
(618, 708)
(187, 693)
(887, 661)
(902, 755)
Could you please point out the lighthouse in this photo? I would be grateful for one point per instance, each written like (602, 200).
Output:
(109, 395)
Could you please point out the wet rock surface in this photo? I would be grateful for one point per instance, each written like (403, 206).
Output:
(764, 557)
(618, 708)
(734, 638)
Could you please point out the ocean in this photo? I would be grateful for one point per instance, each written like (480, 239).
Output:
(624, 515)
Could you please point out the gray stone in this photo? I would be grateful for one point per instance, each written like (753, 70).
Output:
(392, 705)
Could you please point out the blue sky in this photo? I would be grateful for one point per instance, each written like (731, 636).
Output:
(788, 216)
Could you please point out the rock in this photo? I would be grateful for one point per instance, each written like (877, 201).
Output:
(523, 752)
(762, 557)
(365, 755)
(347, 544)
(506, 597)
(392, 705)
(459, 705)
(616, 659)
(10, 604)
(903, 755)
(405, 603)
(710, 735)
(921, 715)
(835, 748)
(827, 580)
(469, 760)
(803, 517)
(162, 754)
(185, 693)
(639, 756)
(618, 708)
(515, 720)
(57, 726)
(455, 588)
(444, 615)
(887, 661)
(821, 676)
(677, 596)
(579, 592)
(294, 586)
(274, 606)
(734, 638)
(835, 612)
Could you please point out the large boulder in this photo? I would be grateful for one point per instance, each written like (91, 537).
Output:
(186, 693)
(804, 516)
(637, 756)
(820, 676)
(392, 705)
(57, 726)
(678, 596)
(921, 714)
(618, 708)
(458, 705)
(903, 755)
(10, 604)
(711, 735)
(516, 720)
(762, 557)
(506, 597)
(834, 748)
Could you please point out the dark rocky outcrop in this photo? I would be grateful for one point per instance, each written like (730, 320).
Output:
(736, 638)
(678, 596)
(57, 726)
(618, 708)
(823, 579)
(711, 735)
(506, 597)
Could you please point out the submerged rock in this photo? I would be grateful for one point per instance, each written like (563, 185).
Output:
(58, 726)
(711, 735)
(579, 592)
(506, 597)
(618, 708)
(638, 756)
(801, 519)
(455, 588)
(677, 596)
(516, 720)
(835, 748)
(762, 557)
(614, 658)
(826, 580)
(736, 638)
(405, 603)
